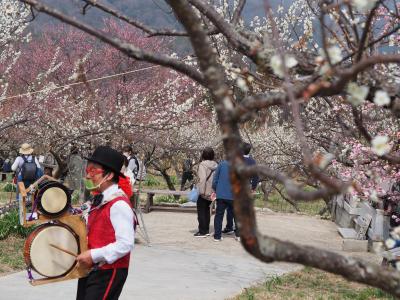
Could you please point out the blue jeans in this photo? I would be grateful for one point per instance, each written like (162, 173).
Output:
(229, 218)
(223, 205)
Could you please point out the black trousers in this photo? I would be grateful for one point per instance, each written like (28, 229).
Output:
(102, 285)
(186, 176)
(203, 215)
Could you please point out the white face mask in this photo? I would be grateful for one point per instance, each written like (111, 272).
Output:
(126, 154)
(91, 187)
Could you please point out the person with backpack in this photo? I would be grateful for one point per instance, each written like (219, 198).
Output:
(205, 173)
(133, 163)
(26, 166)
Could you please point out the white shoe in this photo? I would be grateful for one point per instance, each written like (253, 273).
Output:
(218, 240)
(237, 238)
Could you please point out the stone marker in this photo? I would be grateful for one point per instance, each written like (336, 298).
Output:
(355, 245)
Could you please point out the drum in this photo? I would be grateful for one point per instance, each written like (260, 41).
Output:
(47, 260)
(53, 198)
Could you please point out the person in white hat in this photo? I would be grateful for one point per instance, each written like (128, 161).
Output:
(26, 156)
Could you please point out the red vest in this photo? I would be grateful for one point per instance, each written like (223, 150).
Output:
(101, 232)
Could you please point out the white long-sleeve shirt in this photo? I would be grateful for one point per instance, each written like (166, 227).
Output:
(121, 216)
(19, 161)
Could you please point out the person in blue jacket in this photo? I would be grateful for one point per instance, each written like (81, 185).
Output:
(222, 186)
(253, 184)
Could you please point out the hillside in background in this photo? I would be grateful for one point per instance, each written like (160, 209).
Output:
(151, 12)
(155, 13)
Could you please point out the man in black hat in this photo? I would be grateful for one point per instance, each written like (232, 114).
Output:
(110, 225)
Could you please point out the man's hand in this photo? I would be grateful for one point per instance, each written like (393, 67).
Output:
(85, 258)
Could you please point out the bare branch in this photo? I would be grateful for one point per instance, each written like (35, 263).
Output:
(293, 190)
(235, 39)
(149, 30)
(238, 12)
(366, 32)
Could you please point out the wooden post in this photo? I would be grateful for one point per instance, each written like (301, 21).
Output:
(22, 203)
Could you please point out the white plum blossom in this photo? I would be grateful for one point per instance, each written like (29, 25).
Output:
(390, 243)
(377, 247)
(380, 145)
(277, 65)
(242, 84)
(381, 98)
(334, 52)
(364, 5)
(356, 93)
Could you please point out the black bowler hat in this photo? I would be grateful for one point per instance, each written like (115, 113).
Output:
(109, 158)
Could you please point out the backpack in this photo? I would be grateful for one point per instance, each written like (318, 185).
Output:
(28, 169)
(135, 170)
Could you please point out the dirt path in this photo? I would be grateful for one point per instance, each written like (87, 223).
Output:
(176, 229)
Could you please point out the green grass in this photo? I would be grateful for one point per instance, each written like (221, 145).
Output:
(311, 284)
(9, 187)
(277, 203)
(174, 180)
(5, 197)
(169, 199)
(9, 225)
(11, 254)
(152, 181)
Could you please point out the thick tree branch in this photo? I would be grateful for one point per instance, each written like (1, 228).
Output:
(293, 190)
(234, 38)
(276, 250)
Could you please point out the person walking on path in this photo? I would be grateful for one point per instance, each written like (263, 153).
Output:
(205, 174)
(133, 162)
(26, 166)
(187, 172)
(222, 186)
(253, 184)
(6, 168)
(111, 228)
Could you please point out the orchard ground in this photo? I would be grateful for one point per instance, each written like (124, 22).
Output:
(179, 266)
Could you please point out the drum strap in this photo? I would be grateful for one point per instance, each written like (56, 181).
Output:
(29, 271)
(33, 208)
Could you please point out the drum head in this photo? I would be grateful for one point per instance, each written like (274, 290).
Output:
(53, 198)
(49, 261)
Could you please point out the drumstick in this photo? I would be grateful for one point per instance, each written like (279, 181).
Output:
(64, 250)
